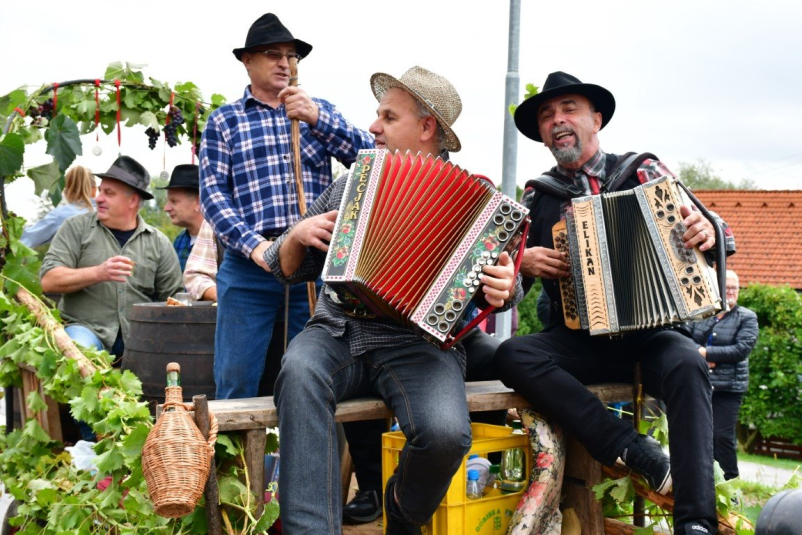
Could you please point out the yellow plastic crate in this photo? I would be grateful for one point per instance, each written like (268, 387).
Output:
(456, 513)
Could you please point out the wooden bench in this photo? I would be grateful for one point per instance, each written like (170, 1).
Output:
(251, 416)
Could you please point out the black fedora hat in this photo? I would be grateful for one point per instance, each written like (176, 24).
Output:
(559, 83)
(184, 176)
(268, 30)
(129, 171)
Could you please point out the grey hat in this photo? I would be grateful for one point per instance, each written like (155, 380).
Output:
(129, 171)
(430, 89)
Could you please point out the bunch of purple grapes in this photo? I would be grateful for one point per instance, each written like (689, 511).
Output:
(37, 112)
(153, 136)
(176, 120)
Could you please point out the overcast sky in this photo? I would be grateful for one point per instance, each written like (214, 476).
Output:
(718, 81)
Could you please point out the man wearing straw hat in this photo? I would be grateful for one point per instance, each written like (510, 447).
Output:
(249, 197)
(339, 356)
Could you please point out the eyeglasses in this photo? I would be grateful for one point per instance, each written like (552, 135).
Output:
(276, 55)
(732, 288)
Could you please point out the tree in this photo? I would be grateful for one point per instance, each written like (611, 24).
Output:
(700, 176)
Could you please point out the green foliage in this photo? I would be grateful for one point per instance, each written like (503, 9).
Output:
(54, 497)
(773, 403)
(140, 104)
(700, 176)
(153, 211)
(531, 91)
(528, 321)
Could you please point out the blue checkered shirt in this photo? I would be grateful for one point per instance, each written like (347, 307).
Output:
(182, 245)
(246, 167)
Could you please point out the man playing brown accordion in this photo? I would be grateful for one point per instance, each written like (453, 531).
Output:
(550, 368)
(340, 355)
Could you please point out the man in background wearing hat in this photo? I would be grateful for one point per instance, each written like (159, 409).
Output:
(104, 262)
(338, 356)
(249, 197)
(550, 368)
(183, 207)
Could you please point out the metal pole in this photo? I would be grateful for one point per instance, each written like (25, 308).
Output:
(508, 172)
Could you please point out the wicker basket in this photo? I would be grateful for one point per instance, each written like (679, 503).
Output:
(176, 459)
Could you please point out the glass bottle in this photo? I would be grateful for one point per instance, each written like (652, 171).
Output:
(173, 391)
(472, 491)
(513, 465)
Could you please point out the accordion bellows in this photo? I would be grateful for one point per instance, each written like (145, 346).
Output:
(411, 238)
(630, 268)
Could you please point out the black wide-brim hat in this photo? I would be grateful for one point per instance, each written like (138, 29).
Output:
(268, 30)
(184, 176)
(129, 171)
(557, 84)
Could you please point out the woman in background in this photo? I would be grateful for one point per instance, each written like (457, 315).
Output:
(79, 194)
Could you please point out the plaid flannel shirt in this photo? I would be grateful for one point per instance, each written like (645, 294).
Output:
(246, 167)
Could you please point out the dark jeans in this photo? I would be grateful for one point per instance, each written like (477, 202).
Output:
(725, 416)
(365, 438)
(550, 368)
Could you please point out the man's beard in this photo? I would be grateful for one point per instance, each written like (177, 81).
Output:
(568, 155)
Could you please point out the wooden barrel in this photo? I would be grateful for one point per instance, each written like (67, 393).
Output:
(159, 334)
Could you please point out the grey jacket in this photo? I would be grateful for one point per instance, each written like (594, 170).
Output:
(729, 342)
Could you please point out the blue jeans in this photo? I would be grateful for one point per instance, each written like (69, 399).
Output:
(248, 301)
(422, 385)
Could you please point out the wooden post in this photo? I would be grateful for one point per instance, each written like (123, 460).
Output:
(212, 492)
(254, 442)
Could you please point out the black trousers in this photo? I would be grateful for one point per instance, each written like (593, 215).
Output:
(550, 368)
(364, 438)
(725, 417)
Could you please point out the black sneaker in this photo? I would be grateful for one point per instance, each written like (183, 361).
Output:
(365, 507)
(645, 456)
(396, 523)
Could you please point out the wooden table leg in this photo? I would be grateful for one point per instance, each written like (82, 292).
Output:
(254, 442)
(212, 492)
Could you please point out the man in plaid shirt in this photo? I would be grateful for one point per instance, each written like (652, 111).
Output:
(249, 197)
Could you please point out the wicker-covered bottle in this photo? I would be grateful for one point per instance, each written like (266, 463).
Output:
(176, 459)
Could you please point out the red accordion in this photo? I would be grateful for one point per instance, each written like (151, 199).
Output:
(411, 237)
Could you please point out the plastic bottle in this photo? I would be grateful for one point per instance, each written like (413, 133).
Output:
(472, 491)
(481, 465)
(493, 486)
(513, 465)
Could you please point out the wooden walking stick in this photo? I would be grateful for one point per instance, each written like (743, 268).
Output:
(299, 182)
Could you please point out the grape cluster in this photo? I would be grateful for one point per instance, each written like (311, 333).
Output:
(176, 120)
(153, 136)
(45, 110)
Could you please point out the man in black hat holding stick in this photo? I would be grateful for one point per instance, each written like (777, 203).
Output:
(550, 368)
(249, 197)
(104, 262)
(183, 207)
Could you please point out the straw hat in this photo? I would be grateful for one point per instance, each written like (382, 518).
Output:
(430, 89)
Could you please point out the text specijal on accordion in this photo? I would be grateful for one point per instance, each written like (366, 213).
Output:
(411, 239)
(629, 267)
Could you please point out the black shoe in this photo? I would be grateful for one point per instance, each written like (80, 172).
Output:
(396, 523)
(365, 507)
(645, 456)
(695, 528)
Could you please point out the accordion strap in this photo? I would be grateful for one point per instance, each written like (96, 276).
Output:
(483, 313)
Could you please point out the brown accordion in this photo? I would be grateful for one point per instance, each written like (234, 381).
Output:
(411, 238)
(630, 269)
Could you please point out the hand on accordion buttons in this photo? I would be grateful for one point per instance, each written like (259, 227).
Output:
(499, 280)
(545, 263)
(700, 231)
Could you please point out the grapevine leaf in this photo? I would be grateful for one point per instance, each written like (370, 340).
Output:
(148, 118)
(63, 141)
(229, 449)
(45, 177)
(46, 496)
(35, 402)
(130, 383)
(12, 147)
(218, 100)
(109, 461)
(132, 444)
(114, 71)
(231, 489)
(34, 430)
(271, 444)
(16, 99)
(86, 108)
(268, 518)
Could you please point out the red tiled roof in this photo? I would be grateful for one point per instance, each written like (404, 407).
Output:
(768, 233)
